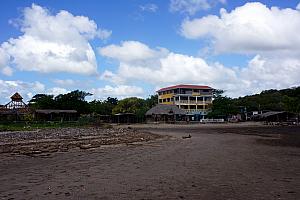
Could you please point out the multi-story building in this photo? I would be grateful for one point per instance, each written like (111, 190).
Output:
(194, 99)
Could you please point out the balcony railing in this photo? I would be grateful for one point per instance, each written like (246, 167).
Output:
(192, 102)
(194, 94)
(192, 111)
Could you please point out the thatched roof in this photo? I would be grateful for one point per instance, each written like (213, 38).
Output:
(16, 96)
(48, 111)
(162, 109)
(124, 114)
(270, 113)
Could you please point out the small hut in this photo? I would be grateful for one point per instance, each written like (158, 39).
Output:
(55, 115)
(276, 116)
(127, 118)
(16, 102)
(15, 109)
(165, 113)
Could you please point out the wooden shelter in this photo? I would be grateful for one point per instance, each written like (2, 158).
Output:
(15, 109)
(127, 118)
(165, 113)
(16, 103)
(55, 115)
(276, 116)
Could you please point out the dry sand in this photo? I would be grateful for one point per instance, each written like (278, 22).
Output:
(239, 161)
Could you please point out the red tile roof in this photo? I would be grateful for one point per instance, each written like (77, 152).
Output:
(185, 86)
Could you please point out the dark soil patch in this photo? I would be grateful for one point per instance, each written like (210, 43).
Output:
(282, 140)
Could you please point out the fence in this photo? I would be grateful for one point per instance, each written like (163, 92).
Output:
(212, 121)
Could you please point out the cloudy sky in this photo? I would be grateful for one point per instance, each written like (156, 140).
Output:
(131, 48)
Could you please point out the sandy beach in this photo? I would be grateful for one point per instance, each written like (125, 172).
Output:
(231, 161)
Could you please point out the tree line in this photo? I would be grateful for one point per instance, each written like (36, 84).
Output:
(222, 106)
(76, 100)
(268, 100)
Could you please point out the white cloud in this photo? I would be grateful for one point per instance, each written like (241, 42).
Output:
(261, 72)
(170, 68)
(120, 91)
(65, 82)
(4, 68)
(223, 1)
(8, 71)
(54, 43)
(57, 90)
(110, 76)
(26, 89)
(128, 51)
(149, 7)
(269, 34)
(298, 6)
(265, 73)
(189, 6)
(251, 28)
(176, 68)
(103, 34)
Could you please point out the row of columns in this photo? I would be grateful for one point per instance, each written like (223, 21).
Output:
(203, 102)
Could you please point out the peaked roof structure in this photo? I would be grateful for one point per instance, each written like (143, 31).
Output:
(16, 97)
(162, 109)
(16, 103)
(49, 111)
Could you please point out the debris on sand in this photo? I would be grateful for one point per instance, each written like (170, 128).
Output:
(63, 139)
(185, 137)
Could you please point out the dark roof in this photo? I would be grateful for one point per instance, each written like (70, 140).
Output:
(162, 109)
(16, 96)
(121, 114)
(8, 111)
(48, 111)
(185, 86)
(271, 113)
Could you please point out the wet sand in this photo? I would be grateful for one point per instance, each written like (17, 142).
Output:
(217, 162)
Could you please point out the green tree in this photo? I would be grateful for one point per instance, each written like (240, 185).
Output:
(151, 101)
(112, 101)
(291, 104)
(129, 105)
(103, 107)
(42, 101)
(73, 100)
(222, 107)
(217, 93)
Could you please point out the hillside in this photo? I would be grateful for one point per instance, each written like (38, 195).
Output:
(276, 100)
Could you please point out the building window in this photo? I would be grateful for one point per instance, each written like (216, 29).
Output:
(199, 98)
(193, 98)
(185, 98)
(192, 106)
(207, 98)
(185, 107)
(200, 107)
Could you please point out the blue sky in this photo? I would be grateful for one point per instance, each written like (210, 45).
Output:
(132, 48)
